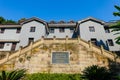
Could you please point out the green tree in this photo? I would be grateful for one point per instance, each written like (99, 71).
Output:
(10, 22)
(2, 20)
(116, 27)
(96, 73)
(22, 20)
(13, 75)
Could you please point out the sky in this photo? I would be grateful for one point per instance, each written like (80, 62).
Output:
(57, 10)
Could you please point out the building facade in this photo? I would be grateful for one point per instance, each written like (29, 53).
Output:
(89, 29)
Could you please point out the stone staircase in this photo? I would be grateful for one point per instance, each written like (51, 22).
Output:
(36, 57)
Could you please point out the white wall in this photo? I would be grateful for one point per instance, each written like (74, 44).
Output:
(10, 34)
(61, 34)
(7, 47)
(25, 32)
(116, 47)
(99, 34)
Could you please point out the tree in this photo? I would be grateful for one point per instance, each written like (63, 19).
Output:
(22, 20)
(96, 73)
(13, 75)
(116, 27)
(10, 22)
(2, 20)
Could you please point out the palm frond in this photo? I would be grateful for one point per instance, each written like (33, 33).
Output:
(116, 13)
(13, 75)
(117, 7)
(117, 33)
(115, 29)
(4, 75)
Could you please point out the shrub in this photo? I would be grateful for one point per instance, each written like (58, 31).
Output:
(97, 73)
(55, 76)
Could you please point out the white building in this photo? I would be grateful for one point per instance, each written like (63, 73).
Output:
(14, 36)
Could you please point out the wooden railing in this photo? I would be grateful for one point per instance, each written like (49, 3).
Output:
(32, 45)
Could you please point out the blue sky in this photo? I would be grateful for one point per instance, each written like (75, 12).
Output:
(58, 9)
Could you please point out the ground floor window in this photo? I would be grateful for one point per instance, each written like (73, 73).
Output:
(31, 40)
(1, 45)
(13, 46)
(110, 42)
(94, 41)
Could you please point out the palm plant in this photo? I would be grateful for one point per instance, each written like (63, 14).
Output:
(116, 27)
(96, 73)
(13, 75)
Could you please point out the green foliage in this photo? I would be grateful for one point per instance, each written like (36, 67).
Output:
(4, 21)
(22, 20)
(13, 75)
(116, 27)
(47, 76)
(117, 13)
(97, 73)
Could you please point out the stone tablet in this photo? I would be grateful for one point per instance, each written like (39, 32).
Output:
(60, 57)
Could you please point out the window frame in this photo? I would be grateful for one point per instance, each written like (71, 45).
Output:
(91, 28)
(106, 30)
(32, 29)
(2, 45)
(30, 39)
(71, 30)
(13, 46)
(61, 30)
(110, 42)
(94, 41)
(18, 30)
(51, 30)
(2, 30)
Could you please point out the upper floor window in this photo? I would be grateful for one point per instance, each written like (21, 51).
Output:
(110, 42)
(1, 45)
(18, 30)
(51, 30)
(91, 29)
(2, 30)
(61, 30)
(32, 29)
(107, 30)
(71, 30)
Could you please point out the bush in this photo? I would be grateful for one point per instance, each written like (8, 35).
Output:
(12, 75)
(55, 76)
(97, 73)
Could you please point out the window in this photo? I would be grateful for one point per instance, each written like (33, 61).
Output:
(61, 30)
(91, 29)
(110, 42)
(94, 41)
(71, 30)
(32, 29)
(51, 30)
(1, 45)
(31, 40)
(107, 30)
(18, 30)
(2, 30)
(13, 46)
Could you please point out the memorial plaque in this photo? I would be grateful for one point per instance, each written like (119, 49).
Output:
(60, 57)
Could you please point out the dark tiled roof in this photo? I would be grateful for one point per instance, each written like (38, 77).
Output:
(10, 26)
